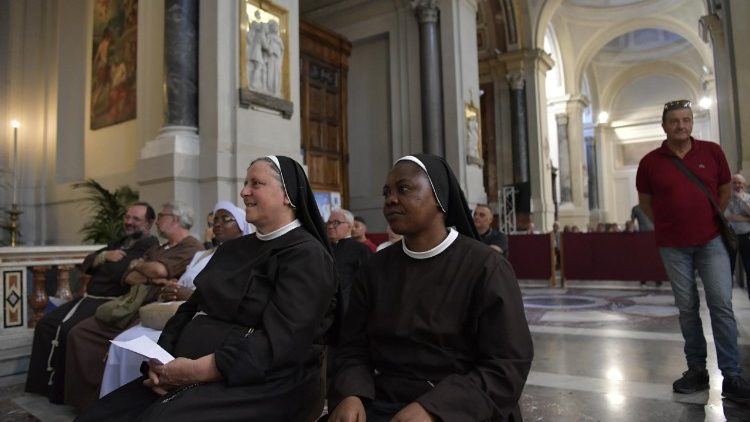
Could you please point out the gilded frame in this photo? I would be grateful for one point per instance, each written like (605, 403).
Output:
(263, 83)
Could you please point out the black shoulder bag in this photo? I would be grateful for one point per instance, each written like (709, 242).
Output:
(727, 233)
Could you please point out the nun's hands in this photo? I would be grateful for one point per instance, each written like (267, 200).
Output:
(350, 409)
(163, 378)
(413, 412)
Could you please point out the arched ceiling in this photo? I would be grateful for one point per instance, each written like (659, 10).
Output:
(604, 3)
(603, 40)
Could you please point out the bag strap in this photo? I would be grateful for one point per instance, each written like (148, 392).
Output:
(693, 178)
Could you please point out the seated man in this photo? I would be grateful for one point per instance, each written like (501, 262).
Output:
(359, 230)
(123, 366)
(495, 239)
(106, 268)
(88, 341)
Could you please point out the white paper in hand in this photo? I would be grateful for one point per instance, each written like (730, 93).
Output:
(147, 348)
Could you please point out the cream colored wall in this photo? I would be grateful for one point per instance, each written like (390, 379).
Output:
(49, 91)
(385, 32)
(370, 146)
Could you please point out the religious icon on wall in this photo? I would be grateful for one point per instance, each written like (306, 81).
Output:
(473, 135)
(265, 60)
(113, 69)
(264, 56)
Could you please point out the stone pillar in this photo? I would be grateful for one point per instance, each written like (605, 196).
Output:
(536, 64)
(518, 127)
(169, 165)
(181, 60)
(428, 15)
(604, 187)
(591, 167)
(566, 194)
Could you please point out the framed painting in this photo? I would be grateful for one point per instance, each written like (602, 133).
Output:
(113, 66)
(264, 56)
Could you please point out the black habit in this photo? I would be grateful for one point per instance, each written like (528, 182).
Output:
(265, 304)
(448, 332)
(350, 255)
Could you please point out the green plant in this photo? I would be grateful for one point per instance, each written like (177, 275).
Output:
(108, 209)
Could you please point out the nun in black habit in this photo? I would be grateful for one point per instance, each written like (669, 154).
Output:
(435, 328)
(248, 342)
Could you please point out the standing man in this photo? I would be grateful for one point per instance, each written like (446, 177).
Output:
(688, 238)
(106, 268)
(738, 213)
(348, 253)
(495, 239)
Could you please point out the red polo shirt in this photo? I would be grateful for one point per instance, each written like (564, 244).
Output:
(683, 215)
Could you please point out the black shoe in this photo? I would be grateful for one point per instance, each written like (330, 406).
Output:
(692, 380)
(736, 388)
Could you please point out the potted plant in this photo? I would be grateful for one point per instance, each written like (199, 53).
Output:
(107, 209)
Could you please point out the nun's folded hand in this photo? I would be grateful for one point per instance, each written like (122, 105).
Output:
(162, 378)
(350, 409)
(413, 412)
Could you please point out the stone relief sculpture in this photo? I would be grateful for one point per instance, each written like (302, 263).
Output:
(473, 137)
(256, 66)
(275, 48)
(265, 56)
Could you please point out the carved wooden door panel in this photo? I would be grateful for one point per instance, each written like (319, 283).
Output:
(323, 71)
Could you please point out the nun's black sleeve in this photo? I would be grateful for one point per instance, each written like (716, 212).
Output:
(302, 290)
(503, 355)
(352, 363)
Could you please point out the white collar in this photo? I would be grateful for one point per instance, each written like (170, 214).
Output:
(437, 250)
(279, 232)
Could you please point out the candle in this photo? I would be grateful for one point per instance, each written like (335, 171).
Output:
(15, 124)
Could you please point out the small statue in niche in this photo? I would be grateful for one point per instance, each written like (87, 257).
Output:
(274, 59)
(472, 137)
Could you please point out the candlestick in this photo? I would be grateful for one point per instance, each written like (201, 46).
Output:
(15, 124)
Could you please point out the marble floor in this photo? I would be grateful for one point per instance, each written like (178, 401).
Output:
(611, 352)
(604, 351)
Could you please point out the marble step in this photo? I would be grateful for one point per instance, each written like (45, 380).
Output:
(15, 349)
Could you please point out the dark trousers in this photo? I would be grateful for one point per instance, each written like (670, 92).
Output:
(744, 252)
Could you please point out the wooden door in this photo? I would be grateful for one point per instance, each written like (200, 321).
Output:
(323, 71)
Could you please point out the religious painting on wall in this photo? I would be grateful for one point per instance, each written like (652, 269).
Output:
(264, 56)
(473, 135)
(113, 66)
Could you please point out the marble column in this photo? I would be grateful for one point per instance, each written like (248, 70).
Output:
(591, 167)
(566, 194)
(428, 15)
(518, 127)
(181, 62)
(169, 167)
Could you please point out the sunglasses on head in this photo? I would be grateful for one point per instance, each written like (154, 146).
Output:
(677, 104)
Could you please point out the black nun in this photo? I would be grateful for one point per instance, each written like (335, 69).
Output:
(249, 340)
(436, 328)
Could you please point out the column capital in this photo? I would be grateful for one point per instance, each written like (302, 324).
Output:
(515, 80)
(561, 119)
(427, 10)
